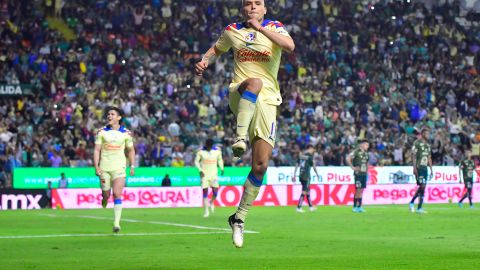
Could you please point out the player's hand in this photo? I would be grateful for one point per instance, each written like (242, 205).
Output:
(253, 23)
(202, 174)
(200, 67)
(98, 172)
(132, 171)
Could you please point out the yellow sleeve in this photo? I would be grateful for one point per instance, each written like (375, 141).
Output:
(197, 161)
(99, 137)
(278, 27)
(220, 160)
(224, 43)
(129, 140)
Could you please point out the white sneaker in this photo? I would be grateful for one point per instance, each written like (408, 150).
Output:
(312, 209)
(237, 230)
(299, 210)
(206, 214)
(239, 147)
(212, 207)
(412, 208)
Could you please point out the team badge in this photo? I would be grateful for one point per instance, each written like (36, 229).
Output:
(250, 36)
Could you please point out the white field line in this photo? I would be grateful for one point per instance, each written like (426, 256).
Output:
(149, 222)
(455, 208)
(105, 235)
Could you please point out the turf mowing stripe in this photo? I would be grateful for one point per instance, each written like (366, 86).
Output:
(150, 222)
(105, 235)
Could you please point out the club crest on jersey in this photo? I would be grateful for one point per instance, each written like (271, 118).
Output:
(250, 36)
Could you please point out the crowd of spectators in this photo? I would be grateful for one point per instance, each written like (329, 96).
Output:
(360, 69)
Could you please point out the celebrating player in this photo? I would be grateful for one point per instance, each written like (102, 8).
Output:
(466, 172)
(207, 162)
(254, 96)
(305, 162)
(422, 158)
(110, 162)
(358, 161)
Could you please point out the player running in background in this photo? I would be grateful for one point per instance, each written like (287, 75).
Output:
(358, 161)
(207, 162)
(422, 158)
(305, 163)
(110, 162)
(466, 172)
(254, 95)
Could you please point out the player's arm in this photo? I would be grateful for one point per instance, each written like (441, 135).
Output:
(430, 163)
(349, 161)
(96, 152)
(131, 153)
(208, 57)
(283, 41)
(295, 171)
(96, 159)
(414, 159)
(460, 167)
(315, 168)
(220, 162)
(198, 158)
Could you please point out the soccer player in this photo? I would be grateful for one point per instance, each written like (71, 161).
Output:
(110, 162)
(207, 162)
(358, 161)
(305, 163)
(466, 170)
(254, 94)
(421, 158)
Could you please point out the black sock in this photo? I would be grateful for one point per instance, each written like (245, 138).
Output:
(360, 202)
(300, 201)
(414, 198)
(470, 197)
(309, 201)
(420, 202)
(354, 202)
(464, 197)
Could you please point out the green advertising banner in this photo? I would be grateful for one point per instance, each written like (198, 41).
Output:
(32, 178)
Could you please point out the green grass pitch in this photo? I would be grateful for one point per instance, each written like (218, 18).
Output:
(386, 237)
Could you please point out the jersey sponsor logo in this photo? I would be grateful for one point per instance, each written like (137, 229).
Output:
(249, 55)
(110, 146)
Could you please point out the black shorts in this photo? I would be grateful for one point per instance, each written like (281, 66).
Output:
(469, 183)
(422, 176)
(305, 184)
(360, 181)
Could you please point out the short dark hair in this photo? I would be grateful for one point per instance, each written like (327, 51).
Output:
(113, 108)
(209, 143)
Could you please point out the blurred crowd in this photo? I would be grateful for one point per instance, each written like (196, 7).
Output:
(379, 71)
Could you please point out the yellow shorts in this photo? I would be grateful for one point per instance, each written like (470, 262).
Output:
(209, 182)
(264, 121)
(107, 178)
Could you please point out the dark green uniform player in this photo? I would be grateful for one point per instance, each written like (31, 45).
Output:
(422, 159)
(358, 161)
(466, 170)
(305, 163)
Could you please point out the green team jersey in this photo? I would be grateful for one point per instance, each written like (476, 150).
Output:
(305, 162)
(422, 152)
(467, 166)
(360, 159)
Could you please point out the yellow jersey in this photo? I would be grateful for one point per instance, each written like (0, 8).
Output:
(255, 56)
(209, 161)
(112, 154)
